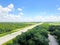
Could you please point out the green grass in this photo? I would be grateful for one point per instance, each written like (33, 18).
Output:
(9, 27)
(10, 41)
(55, 23)
(9, 32)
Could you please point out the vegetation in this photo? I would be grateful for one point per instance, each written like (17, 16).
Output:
(6, 28)
(55, 30)
(36, 36)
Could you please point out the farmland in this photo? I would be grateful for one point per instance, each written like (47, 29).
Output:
(9, 27)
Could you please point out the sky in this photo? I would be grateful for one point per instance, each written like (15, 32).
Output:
(29, 10)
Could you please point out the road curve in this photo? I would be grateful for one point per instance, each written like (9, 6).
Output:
(52, 39)
(13, 35)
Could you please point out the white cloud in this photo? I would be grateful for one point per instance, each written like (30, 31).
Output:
(20, 9)
(21, 13)
(6, 16)
(6, 10)
(10, 6)
(58, 8)
(47, 18)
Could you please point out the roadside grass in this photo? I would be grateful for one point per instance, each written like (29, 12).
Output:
(17, 29)
(11, 32)
(10, 41)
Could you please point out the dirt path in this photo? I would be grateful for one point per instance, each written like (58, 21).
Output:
(52, 40)
(13, 35)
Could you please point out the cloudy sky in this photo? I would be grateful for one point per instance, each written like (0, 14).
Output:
(29, 10)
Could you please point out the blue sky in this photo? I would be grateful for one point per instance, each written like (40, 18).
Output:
(29, 10)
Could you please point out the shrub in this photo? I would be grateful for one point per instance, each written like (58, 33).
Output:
(35, 36)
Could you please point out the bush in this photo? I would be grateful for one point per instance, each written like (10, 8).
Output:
(55, 30)
(35, 36)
